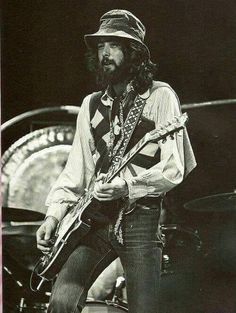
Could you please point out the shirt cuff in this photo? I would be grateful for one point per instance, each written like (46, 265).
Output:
(54, 218)
(136, 189)
(57, 210)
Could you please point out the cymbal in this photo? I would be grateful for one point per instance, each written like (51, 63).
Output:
(224, 202)
(20, 215)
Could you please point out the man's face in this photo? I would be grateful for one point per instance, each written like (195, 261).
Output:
(111, 60)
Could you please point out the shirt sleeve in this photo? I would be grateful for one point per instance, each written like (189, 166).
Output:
(169, 172)
(78, 173)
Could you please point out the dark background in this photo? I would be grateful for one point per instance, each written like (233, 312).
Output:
(193, 43)
(43, 50)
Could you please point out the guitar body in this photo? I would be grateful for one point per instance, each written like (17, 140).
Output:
(74, 226)
(49, 265)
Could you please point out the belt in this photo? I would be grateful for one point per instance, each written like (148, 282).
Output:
(147, 201)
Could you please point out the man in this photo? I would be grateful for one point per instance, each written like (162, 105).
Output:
(131, 226)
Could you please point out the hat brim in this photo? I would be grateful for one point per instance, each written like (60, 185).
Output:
(91, 39)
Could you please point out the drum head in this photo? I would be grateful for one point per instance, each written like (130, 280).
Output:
(32, 164)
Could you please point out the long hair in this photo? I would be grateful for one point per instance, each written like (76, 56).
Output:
(141, 70)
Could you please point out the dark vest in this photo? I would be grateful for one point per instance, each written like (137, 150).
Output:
(99, 119)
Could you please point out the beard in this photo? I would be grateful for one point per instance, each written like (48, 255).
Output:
(109, 73)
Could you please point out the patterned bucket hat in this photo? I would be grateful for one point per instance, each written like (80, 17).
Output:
(119, 23)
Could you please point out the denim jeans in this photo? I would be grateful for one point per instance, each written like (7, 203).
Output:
(140, 256)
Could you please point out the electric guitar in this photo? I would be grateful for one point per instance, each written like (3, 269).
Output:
(75, 224)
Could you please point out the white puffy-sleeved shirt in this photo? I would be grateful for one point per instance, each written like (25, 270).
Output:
(161, 105)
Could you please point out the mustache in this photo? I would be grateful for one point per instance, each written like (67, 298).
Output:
(107, 61)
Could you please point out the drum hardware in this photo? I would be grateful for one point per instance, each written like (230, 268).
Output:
(13, 289)
(19, 255)
(9, 272)
(182, 248)
(167, 228)
(23, 307)
(17, 295)
(68, 109)
(27, 305)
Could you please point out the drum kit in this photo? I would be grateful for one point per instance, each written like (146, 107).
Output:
(184, 246)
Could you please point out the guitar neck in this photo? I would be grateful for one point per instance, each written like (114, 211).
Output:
(122, 162)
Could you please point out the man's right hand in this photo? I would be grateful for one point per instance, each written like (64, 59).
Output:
(44, 234)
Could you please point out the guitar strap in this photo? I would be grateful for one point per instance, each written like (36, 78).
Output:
(129, 126)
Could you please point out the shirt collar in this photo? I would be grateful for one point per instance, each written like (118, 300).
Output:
(146, 94)
(107, 98)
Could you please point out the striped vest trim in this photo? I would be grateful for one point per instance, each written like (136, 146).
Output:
(99, 120)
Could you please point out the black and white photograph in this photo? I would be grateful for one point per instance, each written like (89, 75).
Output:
(118, 172)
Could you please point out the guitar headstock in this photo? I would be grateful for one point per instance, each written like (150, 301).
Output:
(171, 127)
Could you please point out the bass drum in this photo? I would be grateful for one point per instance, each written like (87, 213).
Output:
(32, 164)
(103, 307)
